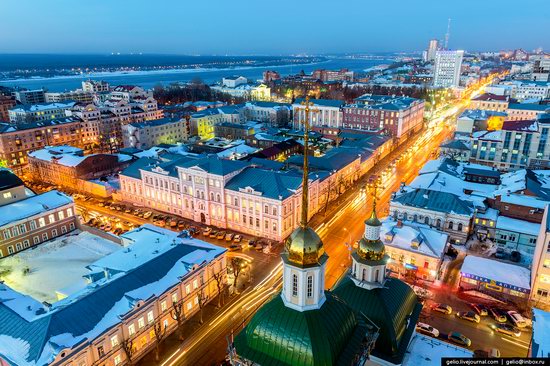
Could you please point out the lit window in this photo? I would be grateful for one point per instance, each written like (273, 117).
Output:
(141, 323)
(150, 317)
(114, 340)
(174, 298)
(163, 306)
(131, 329)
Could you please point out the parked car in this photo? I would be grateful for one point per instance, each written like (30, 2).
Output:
(517, 319)
(221, 235)
(427, 329)
(147, 214)
(173, 223)
(181, 225)
(213, 234)
(234, 247)
(127, 210)
(487, 353)
(498, 314)
(515, 256)
(459, 339)
(507, 329)
(206, 231)
(251, 242)
(442, 308)
(468, 315)
(501, 253)
(237, 238)
(229, 236)
(101, 204)
(480, 309)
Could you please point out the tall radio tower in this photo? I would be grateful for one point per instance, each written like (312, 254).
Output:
(448, 34)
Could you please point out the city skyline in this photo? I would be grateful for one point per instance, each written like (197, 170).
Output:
(256, 29)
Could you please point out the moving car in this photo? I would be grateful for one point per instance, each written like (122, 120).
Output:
(487, 353)
(427, 329)
(507, 329)
(517, 319)
(480, 309)
(459, 339)
(442, 308)
(237, 238)
(498, 314)
(468, 315)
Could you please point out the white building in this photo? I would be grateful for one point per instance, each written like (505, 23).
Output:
(95, 86)
(234, 81)
(540, 271)
(447, 68)
(39, 112)
(324, 112)
(144, 135)
(432, 49)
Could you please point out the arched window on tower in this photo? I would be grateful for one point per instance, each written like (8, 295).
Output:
(460, 226)
(294, 285)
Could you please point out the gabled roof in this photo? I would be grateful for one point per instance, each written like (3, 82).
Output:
(435, 201)
(322, 102)
(455, 145)
(214, 165)
(81, 318)
(492, 97)
(272, 184)
(522, 125)
(9, 180)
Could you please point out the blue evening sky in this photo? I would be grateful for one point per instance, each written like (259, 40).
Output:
(268, 27)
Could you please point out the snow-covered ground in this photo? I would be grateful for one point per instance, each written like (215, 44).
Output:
(57, 265)
(428, 351)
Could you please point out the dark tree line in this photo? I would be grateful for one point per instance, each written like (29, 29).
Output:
(194, 91)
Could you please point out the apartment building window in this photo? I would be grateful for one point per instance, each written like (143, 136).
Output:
(36, 240)
(131, 329)
(63, 229)
(41, 222)
(100, 351)
(165, 323)
(26, 243)
(69, 212)
(61, 215)
(118, 360)
(51, 218)
(44, 236)
(189, 306)
(150, 317)
(7, 234)
(141, 323)
(71, 226)
(54, 233)
(18, 246)
(163, 306)
(187, 289)
(195, 284)
(174, 298)
(114, 341)
(23, 228)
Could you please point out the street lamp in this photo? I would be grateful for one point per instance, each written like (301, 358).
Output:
(348, 243)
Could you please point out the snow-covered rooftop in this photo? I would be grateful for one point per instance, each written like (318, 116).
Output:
(518, 226)
(428, 351)
(55, 266)
(33, 205)
(430, 242)
(502, 273)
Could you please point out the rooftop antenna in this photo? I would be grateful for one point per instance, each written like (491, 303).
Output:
(448, 34)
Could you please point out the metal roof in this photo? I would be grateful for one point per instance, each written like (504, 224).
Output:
(435, 201)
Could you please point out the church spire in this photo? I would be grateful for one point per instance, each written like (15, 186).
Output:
(305, 181)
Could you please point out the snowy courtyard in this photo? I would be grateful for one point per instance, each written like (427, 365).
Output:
(54, 268)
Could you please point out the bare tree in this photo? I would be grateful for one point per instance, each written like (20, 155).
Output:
(202, 300)
(219, 277)
(178, 315)
(128, 348)
(237, 265)
(160, 332)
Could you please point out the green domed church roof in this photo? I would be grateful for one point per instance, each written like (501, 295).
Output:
(278, 335)
(394, 308)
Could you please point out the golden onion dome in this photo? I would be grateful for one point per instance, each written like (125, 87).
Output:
(372, 250)
(304, 246)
